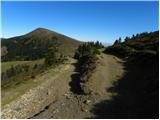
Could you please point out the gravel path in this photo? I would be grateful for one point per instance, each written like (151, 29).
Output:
(36, 99)
(54, 98)
(74, 106)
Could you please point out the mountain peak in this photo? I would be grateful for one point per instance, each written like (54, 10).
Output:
(41, 30)
(37, 41)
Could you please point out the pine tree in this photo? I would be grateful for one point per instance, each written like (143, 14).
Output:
(51, 58)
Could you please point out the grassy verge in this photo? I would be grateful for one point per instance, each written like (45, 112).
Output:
(20, 85)
(7, 65)
(15, 86)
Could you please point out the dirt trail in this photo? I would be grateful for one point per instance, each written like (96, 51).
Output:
(53, 84)
(64, 103)
(72, 105)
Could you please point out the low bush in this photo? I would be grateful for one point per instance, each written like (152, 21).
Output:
(87, 56)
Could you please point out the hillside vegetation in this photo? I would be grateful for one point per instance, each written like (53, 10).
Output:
(18, 71)
(87, 55)
(13, 70)
(35, 44)
(144, 43)
(6, 65)
(20, 76)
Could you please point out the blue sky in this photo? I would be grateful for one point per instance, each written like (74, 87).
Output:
(86, 21)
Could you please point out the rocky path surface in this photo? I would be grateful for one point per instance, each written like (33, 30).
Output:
(56, 97)
(72, 105)
(54, 83)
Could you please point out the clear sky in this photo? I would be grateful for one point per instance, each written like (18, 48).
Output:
(86, 21)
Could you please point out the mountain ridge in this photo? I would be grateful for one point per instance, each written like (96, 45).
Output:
(37, 42)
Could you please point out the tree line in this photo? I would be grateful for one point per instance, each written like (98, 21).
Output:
(143, 42)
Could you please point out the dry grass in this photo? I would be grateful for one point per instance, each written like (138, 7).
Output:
(7, 65)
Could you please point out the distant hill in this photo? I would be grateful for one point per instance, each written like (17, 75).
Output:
(144, 43)
(34, 45)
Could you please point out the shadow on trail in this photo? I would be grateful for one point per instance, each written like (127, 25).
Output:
(75, 80)
(137, 94)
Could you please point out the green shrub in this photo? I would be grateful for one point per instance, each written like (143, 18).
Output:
(51, 57)
(88, 50)
(87, 58)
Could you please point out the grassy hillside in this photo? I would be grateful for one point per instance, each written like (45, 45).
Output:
(11, 71)
(35, 44)
(6, 65)
(144, 43)
(18, 85)
(15, 85)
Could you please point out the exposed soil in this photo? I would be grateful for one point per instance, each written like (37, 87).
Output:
(68, 102)
(73, 104)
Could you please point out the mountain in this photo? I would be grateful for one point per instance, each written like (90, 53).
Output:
(144, 43)
(34, 45)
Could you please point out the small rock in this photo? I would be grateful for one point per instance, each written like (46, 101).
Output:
(84, 110)
(87, 101)
(55, 111)
(67, 96)
(63, 104)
